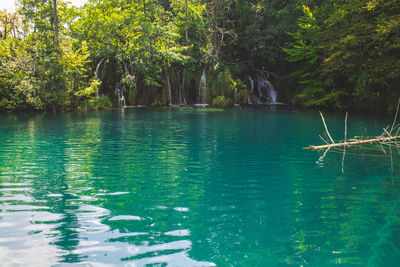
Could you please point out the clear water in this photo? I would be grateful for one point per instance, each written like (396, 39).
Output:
(194, 187)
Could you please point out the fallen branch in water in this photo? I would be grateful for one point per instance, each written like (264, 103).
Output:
(352, 143)
(386, 138)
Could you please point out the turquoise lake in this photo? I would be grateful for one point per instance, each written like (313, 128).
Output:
(195, 187)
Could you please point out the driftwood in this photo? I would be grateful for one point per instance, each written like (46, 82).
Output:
(386, 138)
(352, 143)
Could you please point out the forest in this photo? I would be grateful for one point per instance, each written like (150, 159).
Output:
(334, 54)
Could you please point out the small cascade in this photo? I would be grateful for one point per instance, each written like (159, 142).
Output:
(203, 88)
(123, 103)
(251, 90)
(169, 90)
(180, 95)
(260, 84)
(183, 88)
(120, 95)
(264, 85)
(98, 76)
(271, 92)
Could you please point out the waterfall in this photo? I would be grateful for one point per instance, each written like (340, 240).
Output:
(123, 103)
(169, 90)
(98, 76)
(183, 88)
(271, 92)
(203, 88)
(251, 89)
(180, 94)
(260, 84)
(263, 83)
(120, 95)
(122, 100)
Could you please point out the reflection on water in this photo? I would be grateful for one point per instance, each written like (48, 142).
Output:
(192, 187)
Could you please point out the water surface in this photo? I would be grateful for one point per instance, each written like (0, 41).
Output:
(194, 187)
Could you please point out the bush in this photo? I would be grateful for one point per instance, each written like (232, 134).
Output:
(103, 102)
(220, 101)
(87, 104)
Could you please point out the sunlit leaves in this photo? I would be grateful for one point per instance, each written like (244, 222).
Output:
(140, 34)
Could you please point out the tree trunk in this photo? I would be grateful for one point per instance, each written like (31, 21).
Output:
(213, 25)
(5, 26)
(56, 37)
(186, 23)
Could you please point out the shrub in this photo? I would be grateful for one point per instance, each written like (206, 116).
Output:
(219, 101)
(87, 104)
(103, 102)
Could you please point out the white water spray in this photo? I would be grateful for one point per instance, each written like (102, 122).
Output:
(183, 88)
(169, 90)
(98, 76)
(271, 92)
(251, 89)
(260, 84)
(263, 85)
(203, 88)
(120, 95)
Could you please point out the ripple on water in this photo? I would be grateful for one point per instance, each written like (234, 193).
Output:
(125, 218)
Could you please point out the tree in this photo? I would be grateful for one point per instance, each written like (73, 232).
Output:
(359, 58)
(9, 24)
(55, 22)
(139, 35)
(346, 54)
(305, 52)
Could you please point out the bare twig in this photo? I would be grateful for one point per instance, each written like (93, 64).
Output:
(345, 140)
(344, 154)
(345, 127)
(398, 129)
(326, 128)
(323, 139)
(391, 163)
(395, 116)
(323, 156)
(383, 149)
(385, 131)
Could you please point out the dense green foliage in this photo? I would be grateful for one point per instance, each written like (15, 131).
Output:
(317, 53)
(349, 54)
